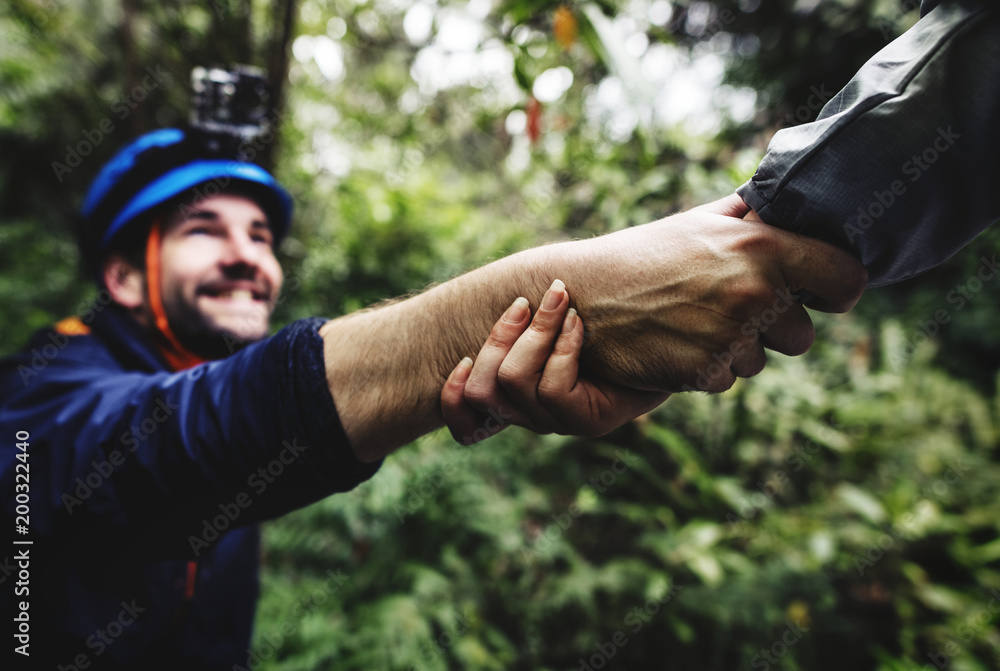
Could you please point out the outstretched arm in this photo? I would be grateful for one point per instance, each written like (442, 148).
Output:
(686, 302)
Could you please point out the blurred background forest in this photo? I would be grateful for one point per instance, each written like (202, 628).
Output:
(839, 511)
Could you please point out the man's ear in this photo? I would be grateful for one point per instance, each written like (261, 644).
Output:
(125, 282)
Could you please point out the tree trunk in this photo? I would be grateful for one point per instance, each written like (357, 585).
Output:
(284, 27)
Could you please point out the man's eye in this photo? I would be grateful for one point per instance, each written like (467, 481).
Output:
(199, 230)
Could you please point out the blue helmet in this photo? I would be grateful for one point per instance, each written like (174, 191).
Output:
(163, 165)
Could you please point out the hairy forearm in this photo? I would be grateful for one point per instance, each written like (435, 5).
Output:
(386, 365)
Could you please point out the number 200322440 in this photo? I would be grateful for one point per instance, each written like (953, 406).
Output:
(21, 483)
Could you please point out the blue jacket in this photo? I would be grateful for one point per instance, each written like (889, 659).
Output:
(144, 487)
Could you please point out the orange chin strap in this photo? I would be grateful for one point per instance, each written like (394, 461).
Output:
(179, 357)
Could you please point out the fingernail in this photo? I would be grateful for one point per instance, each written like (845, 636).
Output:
(517, 312)
(462, 370)
(569, 323)
(553, 297)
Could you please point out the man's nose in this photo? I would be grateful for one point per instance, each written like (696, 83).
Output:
(241, 249)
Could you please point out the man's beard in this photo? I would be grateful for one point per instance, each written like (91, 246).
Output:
(202, 337)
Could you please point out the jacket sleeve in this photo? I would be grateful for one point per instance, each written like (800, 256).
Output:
(901, 166)
(150, 459)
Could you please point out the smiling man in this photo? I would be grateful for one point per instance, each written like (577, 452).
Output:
(166, 424)
(229, 231)
(218, 276)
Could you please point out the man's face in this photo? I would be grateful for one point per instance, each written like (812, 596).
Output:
(219, 276)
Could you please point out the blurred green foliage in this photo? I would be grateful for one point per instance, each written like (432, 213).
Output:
(837, 511)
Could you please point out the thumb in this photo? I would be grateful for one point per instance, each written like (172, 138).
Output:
(730, 206)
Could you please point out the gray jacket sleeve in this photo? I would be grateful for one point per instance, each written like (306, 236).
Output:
(902, 166)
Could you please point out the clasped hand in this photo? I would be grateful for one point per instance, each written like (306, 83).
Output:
(724, 289)
(528, 373)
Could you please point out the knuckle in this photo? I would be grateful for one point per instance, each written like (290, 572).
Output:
(507, 379)
(759, 239)
(756, 366)
(752, 294)
(510, 375)
(542, 324)
(725, 383)
(807, 342)
(762, 293)
(478, 395)
(563, 347)
(451, 398)
(713, 380)
(802, 339)
(856, 279)
(499, 338)
(548, 391)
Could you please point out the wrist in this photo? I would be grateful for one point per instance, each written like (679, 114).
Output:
(461, 312)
